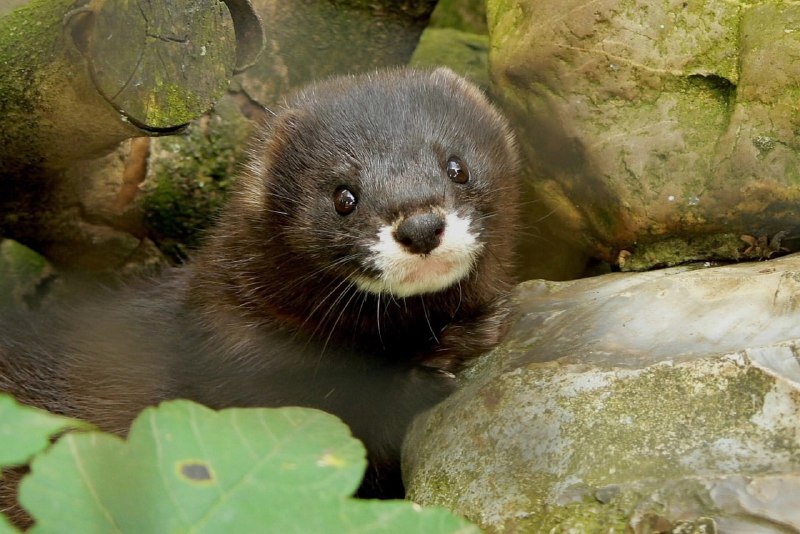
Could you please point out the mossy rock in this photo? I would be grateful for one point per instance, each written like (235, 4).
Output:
(465, 53)
(25, 276)
(631, 402)
(644, 122)
(465, 15)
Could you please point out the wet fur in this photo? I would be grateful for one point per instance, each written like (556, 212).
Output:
(267, 314)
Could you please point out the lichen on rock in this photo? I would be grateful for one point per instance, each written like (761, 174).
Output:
(642, 122)
(627, 401)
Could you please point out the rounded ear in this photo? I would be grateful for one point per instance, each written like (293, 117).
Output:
(291, 124)
(270, 151)
(280, 132)
(447, 76)
(446, 73)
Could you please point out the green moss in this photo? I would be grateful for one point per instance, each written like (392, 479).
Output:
(680, 250)
(465, 15)
(25, 276)
(28, 37)
(719, 88)
(610, 509)
(704, 106)
(498, 8)
(465, 53)
(177, 107)
(192, 178)
(23, 32)
(586, 516)
(675, 414)
(177, 104)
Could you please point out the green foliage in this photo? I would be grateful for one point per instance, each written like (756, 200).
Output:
(25, 431)
(5, 526)
(192, 175)
(186, 468)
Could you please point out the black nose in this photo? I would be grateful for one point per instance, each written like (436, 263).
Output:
(420, 233)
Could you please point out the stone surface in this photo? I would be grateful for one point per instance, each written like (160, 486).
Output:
(465, 15)
(82, 222)
(24, 276)
(465, 53)
(645, 121)
(646, 401)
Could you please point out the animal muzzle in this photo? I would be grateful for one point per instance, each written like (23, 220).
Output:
(420, 233)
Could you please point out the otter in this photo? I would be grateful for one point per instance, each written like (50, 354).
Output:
(363, 258)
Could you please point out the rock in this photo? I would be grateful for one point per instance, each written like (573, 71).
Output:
(643, 401)
(83, 221)
(465, 53)
(91, 196)
(102, 72)
(24, 276)
(465, 15)
(646, 122)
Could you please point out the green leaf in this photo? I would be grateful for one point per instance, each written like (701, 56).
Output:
(24, 430)
(188, 468)
(6, 527)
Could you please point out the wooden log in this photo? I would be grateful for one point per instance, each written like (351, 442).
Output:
(308, 40)
(76, 82)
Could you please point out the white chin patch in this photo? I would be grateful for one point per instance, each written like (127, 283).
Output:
(405, 274)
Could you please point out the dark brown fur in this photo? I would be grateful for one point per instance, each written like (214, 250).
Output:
(264, 316)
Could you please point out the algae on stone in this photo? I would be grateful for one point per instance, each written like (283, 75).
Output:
(24, 276)
(465, 53)
(642, 122)
(464, 15)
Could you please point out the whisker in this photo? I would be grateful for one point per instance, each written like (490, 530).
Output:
(341, 313)
(428, 319)
(361, 307)
(458, 307)
(314, 274)
(378, 317)
(272, 193)
(324, 319)
(319, 305)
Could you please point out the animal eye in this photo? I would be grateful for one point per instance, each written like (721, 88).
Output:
(344, 200)
(457, 171)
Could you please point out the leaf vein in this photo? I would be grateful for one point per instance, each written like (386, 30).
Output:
(87, 480)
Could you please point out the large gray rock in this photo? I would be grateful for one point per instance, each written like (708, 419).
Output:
(646, 121)
(647, 401)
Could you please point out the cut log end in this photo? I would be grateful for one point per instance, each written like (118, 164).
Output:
(159, 63)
